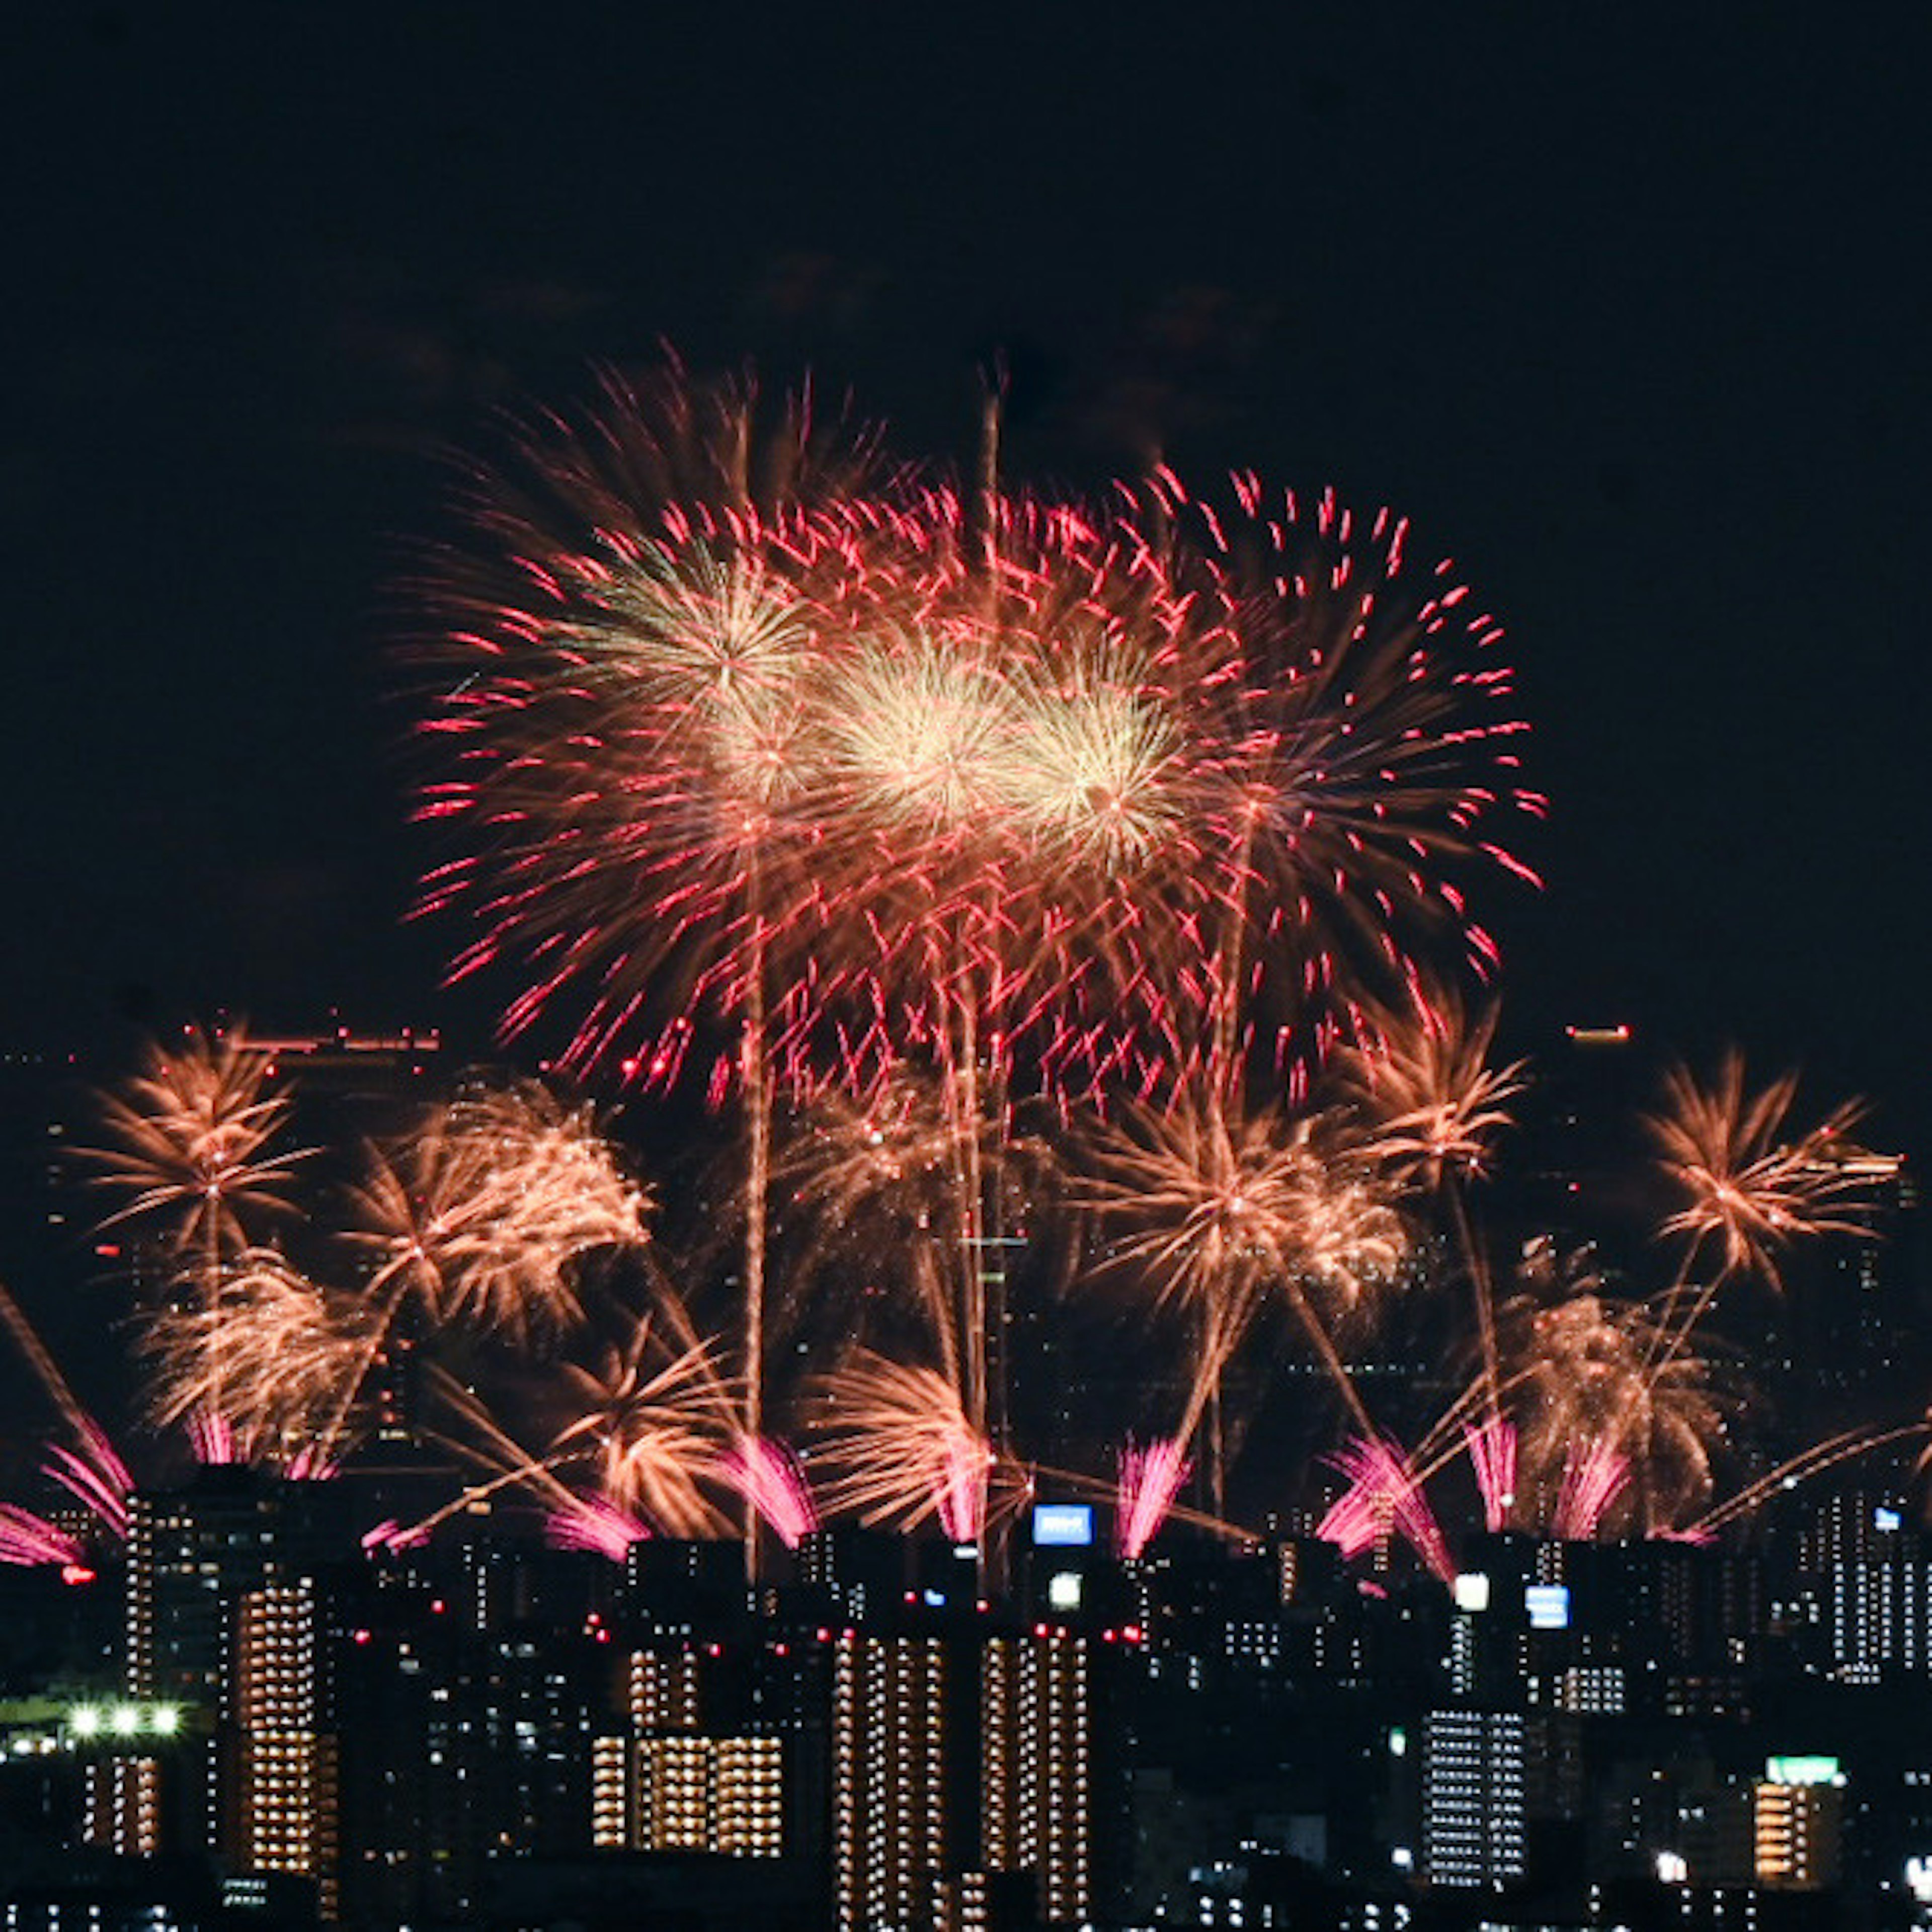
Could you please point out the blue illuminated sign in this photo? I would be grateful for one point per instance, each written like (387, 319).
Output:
(1063, 1526)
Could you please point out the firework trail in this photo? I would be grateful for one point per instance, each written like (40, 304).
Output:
(1151, 1476)
(1595, 1475)
(91, 1472)
(1221, 1211)
(484, 1444)
(28, 1541)
(1437, 1107)
(1383, 1493)
(767, 1475)
(1813, 1460)
(593, 1523)
(1491, 1446)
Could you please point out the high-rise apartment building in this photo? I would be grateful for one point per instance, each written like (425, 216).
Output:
(668, 1785)
(193, 1554)
(1474, 1798)
(957, 1758)
(1036, 1767)
(285, 1752)
(899, 1798)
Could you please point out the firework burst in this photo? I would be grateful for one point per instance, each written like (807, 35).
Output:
(654, 1421)
(484, 1209)
(905, 1449)
(1610, 1428)
(190, 1143)
(270, 1358)
(1751, 1186)
(1219, 1210)
(1354, 744)
(1437, 1106)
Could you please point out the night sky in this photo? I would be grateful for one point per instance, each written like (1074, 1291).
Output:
(1624, 305)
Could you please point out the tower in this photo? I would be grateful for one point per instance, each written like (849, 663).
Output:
(286, 1759)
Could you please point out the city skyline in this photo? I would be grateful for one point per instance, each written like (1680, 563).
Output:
(964, 974)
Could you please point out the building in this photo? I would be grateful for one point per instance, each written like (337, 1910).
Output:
(964, 1764)
(1036, 1773)
(668, 1785)
(192, 1555)
(1797, 1824)
(1474, 1798)
(285, 1753)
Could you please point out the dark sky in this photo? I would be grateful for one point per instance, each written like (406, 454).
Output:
(1624, 304)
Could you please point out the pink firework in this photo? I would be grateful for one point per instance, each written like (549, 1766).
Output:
(1594, 1475)
(1151, 1476)
(93, 1472)
(1491, 1445)
(604, 1528)
(212, 1438)
(767, 1475)
(99, 1479)
(1356, 1521)
(961, 1502)
(389, 1535)
(28, 1541)
(1383, 1491)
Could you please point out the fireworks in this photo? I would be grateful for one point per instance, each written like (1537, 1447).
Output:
(1151, 1476)
(270, 1358)
(1383, 1494)
(767, 1475)
(1437, 1103)
(1008, 792)
(1599, 1410)
(191, 1143)
(488, 1204)
(653, 1421)
(1220, 1211)
(90, 1471)
(1751, 1187)
(27, 1540)
(1438, 1107)
(923, 830)
(905, 1449)
(625, 664)
(1354, 742)
(589, 1522)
